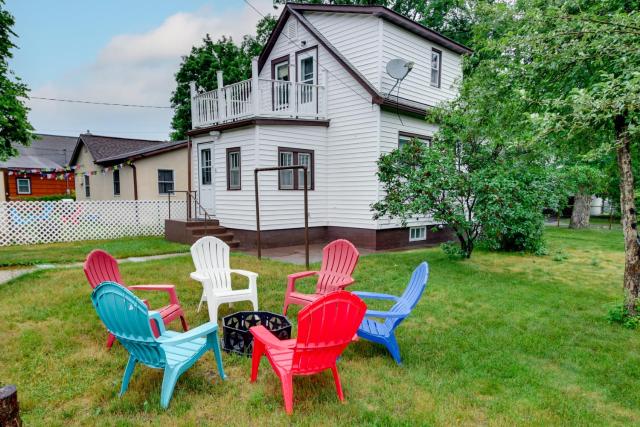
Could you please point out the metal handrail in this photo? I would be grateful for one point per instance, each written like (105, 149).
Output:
(191, 195)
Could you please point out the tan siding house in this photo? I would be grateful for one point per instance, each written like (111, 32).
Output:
(109, 168)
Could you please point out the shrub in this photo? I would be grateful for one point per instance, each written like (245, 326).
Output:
(619, 314)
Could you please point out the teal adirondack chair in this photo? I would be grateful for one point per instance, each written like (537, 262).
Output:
(128, 318)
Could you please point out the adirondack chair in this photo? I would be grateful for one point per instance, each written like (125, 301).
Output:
(129, 319)
(325, 329)
(339, 259)
(101, 267)
(211, 259)
(384, 332)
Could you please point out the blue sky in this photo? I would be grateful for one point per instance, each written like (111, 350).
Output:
(114, 51)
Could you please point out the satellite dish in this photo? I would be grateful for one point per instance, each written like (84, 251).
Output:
(399, 68)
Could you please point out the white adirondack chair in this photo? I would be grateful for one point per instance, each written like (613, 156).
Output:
(211, 258)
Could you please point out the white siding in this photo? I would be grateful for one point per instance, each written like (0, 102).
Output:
(352, 140)
(356, 36)
(285, 208)
(400, 43)
(235, 209)
(390, 127)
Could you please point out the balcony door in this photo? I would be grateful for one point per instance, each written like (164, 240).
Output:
(281, 85)
(307, 78)
(206, 191)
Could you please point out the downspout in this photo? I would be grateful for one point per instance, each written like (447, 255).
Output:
(135, 182)
(188, 176)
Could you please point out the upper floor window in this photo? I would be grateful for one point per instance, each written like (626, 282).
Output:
(281, 87)
(290, 179)
(24, 185)
(233, 169)
(165, 181)
(87, 186)
(436, 67)
(405, 137)
(116, 182)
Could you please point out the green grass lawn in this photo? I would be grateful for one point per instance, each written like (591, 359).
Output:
(77, 251)
(500, 339)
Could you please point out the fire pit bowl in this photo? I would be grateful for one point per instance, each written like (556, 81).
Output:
(236, 337)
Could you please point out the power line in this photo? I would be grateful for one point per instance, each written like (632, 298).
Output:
(318, 62)
(113, 104)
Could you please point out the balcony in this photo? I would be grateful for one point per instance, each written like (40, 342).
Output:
(258, 97)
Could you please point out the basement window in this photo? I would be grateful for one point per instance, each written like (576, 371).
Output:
(417, 234)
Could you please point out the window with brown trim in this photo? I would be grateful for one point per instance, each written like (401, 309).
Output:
(290, 179)
(234, 169)
(405, 137)
(436, 67)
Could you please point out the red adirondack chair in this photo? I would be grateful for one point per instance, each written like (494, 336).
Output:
(339, 259)
(101, 267)
(325, 329)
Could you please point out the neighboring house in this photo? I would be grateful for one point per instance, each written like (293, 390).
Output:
(110, 168)
(40, 169)
(319, 96)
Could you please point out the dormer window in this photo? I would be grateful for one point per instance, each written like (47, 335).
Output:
(436, 66)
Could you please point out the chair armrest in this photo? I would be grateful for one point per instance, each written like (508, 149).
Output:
(386, 314)
(253, 278)
(374, 295)
(291, 279)
(198, 276)
(201, 331)
(263, 335)
(155, 316)
(169, 289)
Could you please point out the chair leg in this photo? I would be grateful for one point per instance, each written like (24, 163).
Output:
(203, 298)
(394, 349)
(336, 378)
(213, 311)
(128, 371)
(284, 309)
(110, 340)
(215, 346)
(185, 325)
(258, 351)
(287, 392)
(254, 302)
(168, 384)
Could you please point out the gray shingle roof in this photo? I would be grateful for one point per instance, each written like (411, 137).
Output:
(105, 147)
(45, 152)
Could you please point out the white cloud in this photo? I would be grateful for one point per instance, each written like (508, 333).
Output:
(136, 69)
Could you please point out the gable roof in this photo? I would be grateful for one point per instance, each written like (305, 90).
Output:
(111, 149)
(45, 152)
(297, 10)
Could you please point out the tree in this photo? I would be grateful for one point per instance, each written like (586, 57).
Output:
(14, 124)
(201, 64)
(583, 180)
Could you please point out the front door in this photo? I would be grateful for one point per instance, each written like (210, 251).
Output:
(307, 82)
(206, 195)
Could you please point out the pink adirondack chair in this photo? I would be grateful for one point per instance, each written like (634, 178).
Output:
(101, 267)
(339, 259)
(325, 329)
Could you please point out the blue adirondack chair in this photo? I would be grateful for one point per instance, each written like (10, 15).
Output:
(384, 332)
(128, 318)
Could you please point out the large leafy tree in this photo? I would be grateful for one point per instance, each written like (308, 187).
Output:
(204, 60)
(14, 124)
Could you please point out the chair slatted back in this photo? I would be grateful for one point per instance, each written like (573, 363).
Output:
(411, 295)
(127, 317)
(325, 329)
(101, 267)
(211, 258)
(339, 259)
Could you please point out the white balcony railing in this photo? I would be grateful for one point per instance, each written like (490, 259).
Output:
(258, 98)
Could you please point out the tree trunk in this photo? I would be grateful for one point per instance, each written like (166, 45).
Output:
(9, 411)
(631, 282)
(581, 211)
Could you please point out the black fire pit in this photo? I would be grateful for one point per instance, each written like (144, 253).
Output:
(236, 337)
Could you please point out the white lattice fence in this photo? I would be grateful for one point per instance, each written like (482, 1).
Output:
(27, 222)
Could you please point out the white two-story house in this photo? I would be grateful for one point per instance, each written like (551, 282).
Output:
(319, 96)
